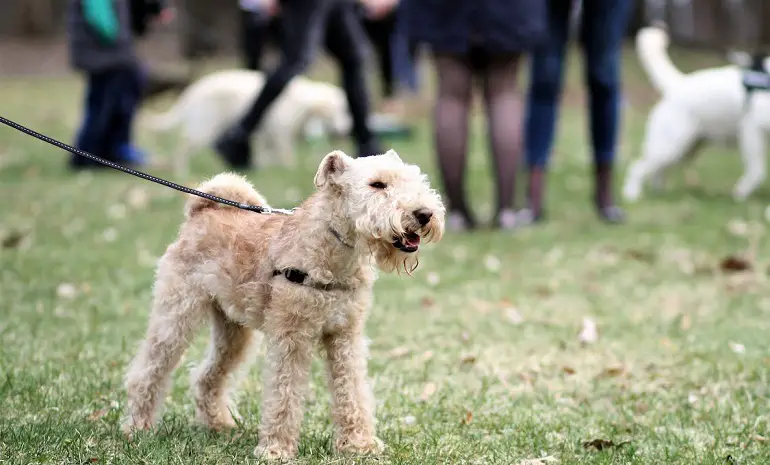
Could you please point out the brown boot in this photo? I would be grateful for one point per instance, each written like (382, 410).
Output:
(605, 206)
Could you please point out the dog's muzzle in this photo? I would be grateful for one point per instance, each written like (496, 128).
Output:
(409, 243)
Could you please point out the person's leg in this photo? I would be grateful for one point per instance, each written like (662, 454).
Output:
(90, 137)
(503, 107)
(254, 28)
(455, 82)
(377, 33)
(545, 85)
(303, 23)
(344, 40)
(603, 26)
(128, 87)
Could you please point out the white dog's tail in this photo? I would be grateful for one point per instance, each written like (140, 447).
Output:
(162, 122)
(230, 186)
(651, 44)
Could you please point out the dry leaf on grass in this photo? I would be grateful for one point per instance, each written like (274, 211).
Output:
(568, 370)
(640, 255)
(427, 355)
(733, 264)
(427, 302)
(513, 316)
(428, 390)
(468, 418)
(97, 414)
(612, 371)
(12, 240)
(588, 334)
(759, 438)
(399, 352)
(686, 322)
(468, 359)
(540, 461)
(601, 444)
(737, 347)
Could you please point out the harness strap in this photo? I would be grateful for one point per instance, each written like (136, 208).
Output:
(755, 77)
(302, 278)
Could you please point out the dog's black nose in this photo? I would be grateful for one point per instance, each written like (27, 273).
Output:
(423, 216)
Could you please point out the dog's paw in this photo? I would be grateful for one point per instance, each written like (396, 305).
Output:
(273, 452)
(359, 446)
(631, 193)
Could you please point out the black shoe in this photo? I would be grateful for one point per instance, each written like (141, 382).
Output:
(611, 214)
(235, 148)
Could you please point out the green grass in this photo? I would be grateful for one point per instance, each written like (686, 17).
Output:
(666, 374)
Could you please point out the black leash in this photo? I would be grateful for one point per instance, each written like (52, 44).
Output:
(139, 174)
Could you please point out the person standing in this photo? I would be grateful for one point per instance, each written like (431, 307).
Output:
(484, 39)
(305, 24)
(101, 46)
(601, 32)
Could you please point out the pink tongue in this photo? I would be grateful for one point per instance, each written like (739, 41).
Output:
(412, 240)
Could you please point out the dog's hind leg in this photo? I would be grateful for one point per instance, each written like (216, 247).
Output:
(670, 135)
(228, 349)
(752, 145)
(177, 312)
(657, 180)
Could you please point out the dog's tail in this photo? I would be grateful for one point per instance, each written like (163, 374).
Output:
(230, 186)
(651, 44)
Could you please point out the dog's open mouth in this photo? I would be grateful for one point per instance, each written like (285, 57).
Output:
(409, 243)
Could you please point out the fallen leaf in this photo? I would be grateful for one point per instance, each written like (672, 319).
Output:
(601, 444)
(66, 291)
(759, 438)
(539, 461)
(12, 240)
(513, 316)
(467, 418)
(686, 322)
(640, 255)
(613, 371)
(97, 414)
(589, 334)
(734, 264)
(399, 352)
(92, 460)
(428, 390)
(433, 278)
(427, 355)
(737, 347)
(568, 370)
(468, 359)
(427, 302)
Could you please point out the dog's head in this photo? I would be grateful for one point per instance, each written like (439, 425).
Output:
(388, 203)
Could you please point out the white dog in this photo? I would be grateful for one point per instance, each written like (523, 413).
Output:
(706, 105)
(208, 106)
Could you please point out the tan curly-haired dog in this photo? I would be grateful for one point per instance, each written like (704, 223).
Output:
(300, 279)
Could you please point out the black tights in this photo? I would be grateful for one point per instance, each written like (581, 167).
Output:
(503, 108)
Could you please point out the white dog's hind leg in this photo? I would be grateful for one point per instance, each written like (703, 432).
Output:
(670, 135)
(176, 313)
(752, 145)
(227, 350)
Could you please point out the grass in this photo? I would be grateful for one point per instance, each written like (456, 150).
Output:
(476, 359)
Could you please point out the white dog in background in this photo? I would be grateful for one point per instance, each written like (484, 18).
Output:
(706, 105)
(208, 106)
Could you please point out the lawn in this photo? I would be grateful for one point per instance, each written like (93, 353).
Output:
(475, 359)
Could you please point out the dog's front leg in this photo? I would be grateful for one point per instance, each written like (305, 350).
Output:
(290, 341)
(352, 399)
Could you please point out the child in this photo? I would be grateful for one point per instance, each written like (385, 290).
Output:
(101, 46)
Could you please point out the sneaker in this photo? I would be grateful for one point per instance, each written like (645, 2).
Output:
(130, 155)
(235, 148)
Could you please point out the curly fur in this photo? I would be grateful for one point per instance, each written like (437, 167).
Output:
(221, 268)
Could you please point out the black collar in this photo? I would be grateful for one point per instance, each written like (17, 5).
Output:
(300, 277)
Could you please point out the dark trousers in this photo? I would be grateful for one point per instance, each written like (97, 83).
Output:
(384, 34)
(112, 98)
(601, 33)
(306, 24)
(257, 30)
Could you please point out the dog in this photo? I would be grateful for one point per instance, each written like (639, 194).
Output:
(217, 100)
(300, 279)
(709, 105)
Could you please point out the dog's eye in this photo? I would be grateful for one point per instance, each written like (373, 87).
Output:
(378, 185)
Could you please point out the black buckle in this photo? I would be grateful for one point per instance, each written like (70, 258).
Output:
(293, 275)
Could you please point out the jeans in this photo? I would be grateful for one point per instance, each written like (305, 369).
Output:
(112, 98)
(601, 35)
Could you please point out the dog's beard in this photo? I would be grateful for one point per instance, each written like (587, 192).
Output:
(389, 259)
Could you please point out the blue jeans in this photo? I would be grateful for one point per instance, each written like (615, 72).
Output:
(112, 98)
(601, 35)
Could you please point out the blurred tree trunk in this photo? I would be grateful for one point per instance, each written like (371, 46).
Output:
(37, 18)
(207, 26)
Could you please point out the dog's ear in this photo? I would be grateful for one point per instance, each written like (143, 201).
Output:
(332, 165)
(392, 154)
